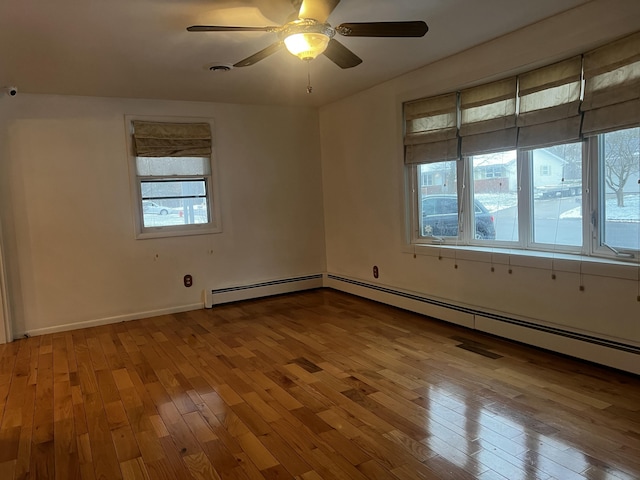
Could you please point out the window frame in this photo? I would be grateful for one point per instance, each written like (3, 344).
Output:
(211, 180)
(597, 210)
(530, 242)
(470, 190)
(416, 189)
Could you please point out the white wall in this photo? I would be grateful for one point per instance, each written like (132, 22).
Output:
(364, 192)
(70, 252)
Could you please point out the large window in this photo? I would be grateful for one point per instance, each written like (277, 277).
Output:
(525, 209)
(548, 160)
(173, 178)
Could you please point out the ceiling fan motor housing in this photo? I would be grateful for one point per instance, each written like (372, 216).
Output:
(306, 25)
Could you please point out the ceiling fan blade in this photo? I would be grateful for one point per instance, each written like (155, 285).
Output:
(341, 55)
(262, 54)
(383, 29)
(317, 9)
(219, 28)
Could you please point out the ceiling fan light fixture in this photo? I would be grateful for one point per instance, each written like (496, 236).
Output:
(306, 38)
(306, 46)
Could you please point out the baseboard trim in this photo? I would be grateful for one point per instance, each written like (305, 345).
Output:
(219, 296)
(107, 320)
(605, 351)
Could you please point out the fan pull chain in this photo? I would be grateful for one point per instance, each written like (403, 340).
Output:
(309, 87)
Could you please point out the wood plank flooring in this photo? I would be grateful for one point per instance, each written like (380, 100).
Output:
(313, 385)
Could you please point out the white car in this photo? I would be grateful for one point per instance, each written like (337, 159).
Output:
(154, 208)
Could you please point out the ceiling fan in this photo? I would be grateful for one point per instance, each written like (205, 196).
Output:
(307, 34)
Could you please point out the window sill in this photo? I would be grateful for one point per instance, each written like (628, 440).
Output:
(162, 232)
(551, 261)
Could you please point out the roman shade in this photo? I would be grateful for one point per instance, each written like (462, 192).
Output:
(488, 117)
(431, 129)
(166, 139)
(557, 104)
(550, 104)
(612, 86)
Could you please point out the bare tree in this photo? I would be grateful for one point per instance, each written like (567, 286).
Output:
(621, 150)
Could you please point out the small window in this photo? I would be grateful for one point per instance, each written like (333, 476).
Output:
(427, 179)
(545, 170)
(173, 178)
(493, 171)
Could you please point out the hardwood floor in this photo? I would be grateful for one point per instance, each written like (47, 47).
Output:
(312, 385)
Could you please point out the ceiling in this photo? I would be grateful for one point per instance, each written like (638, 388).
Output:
(141, 49)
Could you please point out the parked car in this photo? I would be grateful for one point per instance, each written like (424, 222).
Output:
(149, 206)
(440, 218)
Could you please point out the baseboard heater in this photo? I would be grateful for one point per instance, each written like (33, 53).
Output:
(617, 354)
(263, 289)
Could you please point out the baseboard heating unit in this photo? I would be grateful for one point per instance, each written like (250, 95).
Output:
(585, 345)
(263, 289)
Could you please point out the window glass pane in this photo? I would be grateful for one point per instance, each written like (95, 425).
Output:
(557, 195)
(495, 196)
(174, 202)
(438, 204)
(159, 166)
(621, 186)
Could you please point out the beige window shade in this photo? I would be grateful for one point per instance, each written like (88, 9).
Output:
(612, 86)
(550, 104)
(166, 139)
(488, 117)
(431, 131)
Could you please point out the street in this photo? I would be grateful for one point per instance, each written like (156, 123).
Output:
(552, 227)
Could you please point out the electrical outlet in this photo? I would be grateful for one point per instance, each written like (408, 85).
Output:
(188, 281)
(376, 272)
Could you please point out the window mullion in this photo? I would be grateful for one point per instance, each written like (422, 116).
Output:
(171, 178)
(414, 180)
(591, 204)
(595, 217)
(525, 198)
(464, 196)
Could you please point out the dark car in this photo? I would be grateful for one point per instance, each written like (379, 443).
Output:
(440, 218)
